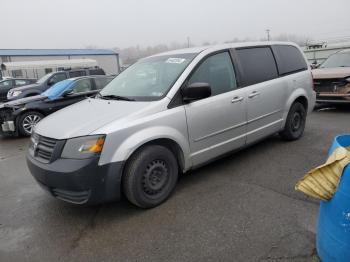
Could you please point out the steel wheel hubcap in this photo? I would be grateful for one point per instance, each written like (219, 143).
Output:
(297, 120)
(155, 177)
(29, 123)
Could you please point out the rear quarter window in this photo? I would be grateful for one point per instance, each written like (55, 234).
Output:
(256, 65)
(289, 59)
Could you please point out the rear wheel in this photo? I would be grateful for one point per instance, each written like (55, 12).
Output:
(28, 121)
(150, 176)
(295, 123)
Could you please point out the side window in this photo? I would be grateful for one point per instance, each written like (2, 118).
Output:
(57, 78)
(216, 70)
(6, 84)
(76, 73)
(81, 86)
(97, 71)
(20, 82)
(101, 82)
(257, 65)
(289, 59)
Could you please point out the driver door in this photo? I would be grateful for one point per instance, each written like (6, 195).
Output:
(216, 124)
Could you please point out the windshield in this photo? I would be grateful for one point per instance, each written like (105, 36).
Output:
(44, 78)
(337, 60)
(149, 79)
(57, 90)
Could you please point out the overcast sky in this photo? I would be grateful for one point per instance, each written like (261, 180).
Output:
(117, 23)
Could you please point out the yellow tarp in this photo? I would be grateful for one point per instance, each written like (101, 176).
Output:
(322, 182)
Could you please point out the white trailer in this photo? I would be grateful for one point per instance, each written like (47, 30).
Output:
(106, 59)
(32, 68)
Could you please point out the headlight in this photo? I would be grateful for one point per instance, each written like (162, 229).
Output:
(14, 93)
(83, 147)
(348, 79)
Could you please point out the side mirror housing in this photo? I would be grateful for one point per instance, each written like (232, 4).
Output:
(50, 82)
(68, 92)
(196, 91)
(315, 65)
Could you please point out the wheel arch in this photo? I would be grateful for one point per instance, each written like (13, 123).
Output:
(120, 150)
(302, 100)
(20, 113)
(299, 95)
(170, 144)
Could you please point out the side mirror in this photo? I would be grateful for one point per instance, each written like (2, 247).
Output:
(68, 92)
(196, 91)
(50, 82)
(315, 66)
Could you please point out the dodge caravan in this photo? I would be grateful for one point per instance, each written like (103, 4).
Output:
(167, 114)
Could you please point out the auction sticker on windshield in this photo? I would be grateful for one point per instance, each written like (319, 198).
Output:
(173, 60)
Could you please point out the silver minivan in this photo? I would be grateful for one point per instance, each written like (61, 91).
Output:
(167, 114)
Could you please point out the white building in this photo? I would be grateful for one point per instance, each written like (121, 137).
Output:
(108, 60)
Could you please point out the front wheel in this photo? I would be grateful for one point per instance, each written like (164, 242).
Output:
(295, 123)
(150, 176)
(28, 121)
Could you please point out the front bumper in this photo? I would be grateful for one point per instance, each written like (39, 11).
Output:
(332, 98)
(7, 120)
(78, 181)
(8, 126)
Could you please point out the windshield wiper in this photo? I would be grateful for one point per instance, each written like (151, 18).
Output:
(115, 97)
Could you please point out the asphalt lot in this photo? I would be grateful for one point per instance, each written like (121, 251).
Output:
(240, 208)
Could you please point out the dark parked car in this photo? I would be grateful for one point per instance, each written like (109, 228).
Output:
(7, 84)
(20, 116)
(49, 80)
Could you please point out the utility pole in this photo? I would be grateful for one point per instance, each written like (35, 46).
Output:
(188, 41)
(268, 34)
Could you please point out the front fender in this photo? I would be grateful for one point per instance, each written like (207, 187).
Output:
(136, 140)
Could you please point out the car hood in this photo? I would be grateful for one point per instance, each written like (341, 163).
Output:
(89, 115)
(337, 72)
(23, 88)
(23, 101)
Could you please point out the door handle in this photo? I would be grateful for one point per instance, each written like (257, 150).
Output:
(254, 94)
(237, 99)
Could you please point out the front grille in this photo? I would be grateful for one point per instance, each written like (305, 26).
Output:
(329, 85)
(75, 197)
(43, 148)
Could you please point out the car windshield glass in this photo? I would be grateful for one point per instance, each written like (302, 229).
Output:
(44, 78)
(149, 79)
(57, 90)
(337, 60)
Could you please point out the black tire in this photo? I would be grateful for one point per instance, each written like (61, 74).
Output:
(23, 122)
(150, 176)
(295, 123)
